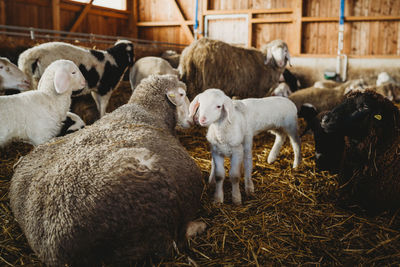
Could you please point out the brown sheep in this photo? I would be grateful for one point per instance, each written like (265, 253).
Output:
(120, 190)
(370, 168)
(240, 72)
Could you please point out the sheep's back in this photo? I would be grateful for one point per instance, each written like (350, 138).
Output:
(111, 191)
(237, 71)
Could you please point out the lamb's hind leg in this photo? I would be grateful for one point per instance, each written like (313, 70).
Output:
(276, 148)
(219, 177)
(296, 145)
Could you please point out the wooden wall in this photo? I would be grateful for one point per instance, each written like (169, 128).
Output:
(310, 27)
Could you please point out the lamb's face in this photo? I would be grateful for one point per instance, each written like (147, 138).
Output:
(353, 117)
(11, 77)
(78, 82)
(210, 105)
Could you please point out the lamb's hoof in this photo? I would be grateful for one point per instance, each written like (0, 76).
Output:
(195, 228)
(249, 189)
(218, 200)
(237, 201)
(271, 159)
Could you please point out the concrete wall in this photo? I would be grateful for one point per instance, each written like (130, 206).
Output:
(310, 70)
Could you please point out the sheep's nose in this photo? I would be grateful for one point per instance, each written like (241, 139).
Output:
(325, 119)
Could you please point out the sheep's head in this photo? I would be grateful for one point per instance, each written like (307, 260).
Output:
(67, 76)
(277, 51)
(11, 77)
(123, 49)
(359, 114)
(210, 106)
(177, 96)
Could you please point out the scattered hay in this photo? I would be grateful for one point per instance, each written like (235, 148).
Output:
(291, 219)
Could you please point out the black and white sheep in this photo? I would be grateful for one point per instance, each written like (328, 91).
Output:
(103, 70)
(120, 190)
(240, 72)
(12, 78)
(36, 116)
(369, 173)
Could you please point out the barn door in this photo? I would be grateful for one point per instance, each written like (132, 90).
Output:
(232, 29)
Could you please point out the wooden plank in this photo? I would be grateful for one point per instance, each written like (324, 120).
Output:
(253, 11)
(371, 18)
(184, 26)
(82, 15)
(250, 29)
(297, 27)
(275, 20)
(320, 19)
(96, 11)
(132, 5)
(2, 12)
(56, 14)
(163, 23)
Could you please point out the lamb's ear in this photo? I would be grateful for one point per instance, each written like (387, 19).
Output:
(61, 81)
(176, 96)
(194, 105)
(228, 106)
(268, 57)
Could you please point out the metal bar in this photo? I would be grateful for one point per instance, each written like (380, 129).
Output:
(34, 31)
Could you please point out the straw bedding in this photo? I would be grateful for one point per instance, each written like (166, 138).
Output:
(292, 219)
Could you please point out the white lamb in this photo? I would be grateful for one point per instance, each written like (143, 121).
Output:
(36, 116)
(231, 127)
(11, 77)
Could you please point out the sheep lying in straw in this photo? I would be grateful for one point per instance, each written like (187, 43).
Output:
(370, 165)
(120, 190)
(237, 71)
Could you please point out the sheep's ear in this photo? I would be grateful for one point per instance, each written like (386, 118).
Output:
(61, 81)
(268, 57)
(194, 105)
(288, 58)
(177, 96)
(228, 106)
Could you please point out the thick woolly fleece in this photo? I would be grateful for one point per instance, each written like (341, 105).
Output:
(118, 191)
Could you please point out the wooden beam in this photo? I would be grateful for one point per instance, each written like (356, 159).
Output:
(184, 26)
(250, 29)
(297, 26)
(276, 20)
(95, 10)
(2, 12)
(164, 23)
(55, 6)
(320, 19)
(371, 18)
(204, 8)
(81, 16)
(133, 18)
(253, 11)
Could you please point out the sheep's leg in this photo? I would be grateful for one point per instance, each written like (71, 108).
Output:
(296, 145)
(276, 148)
(235, 173)
(101, 101)
(219, 177)
(211, 178)
(248, 166)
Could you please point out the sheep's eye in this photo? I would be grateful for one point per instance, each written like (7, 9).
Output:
(1, 67)
(74, 72)
(181, 94)
(218, 106)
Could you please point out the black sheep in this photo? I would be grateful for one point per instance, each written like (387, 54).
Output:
(369, 172)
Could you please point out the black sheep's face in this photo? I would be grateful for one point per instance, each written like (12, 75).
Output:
(353, 117)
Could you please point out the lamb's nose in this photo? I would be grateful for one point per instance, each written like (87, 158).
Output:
(202, 119)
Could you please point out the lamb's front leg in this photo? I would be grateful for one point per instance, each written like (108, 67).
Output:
(219, 172)
(235, 174)
(211, 178)
(248, 165)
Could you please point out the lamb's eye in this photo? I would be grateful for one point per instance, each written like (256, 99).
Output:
(181, 94)
(1, 67)
(74, 72)
(218, 106)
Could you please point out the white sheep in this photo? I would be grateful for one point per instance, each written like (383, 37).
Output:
(11, 77)
(384, 77)
(231, 127)
(282, 89)
(146, 66)
(103, 70)
(36, 116)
